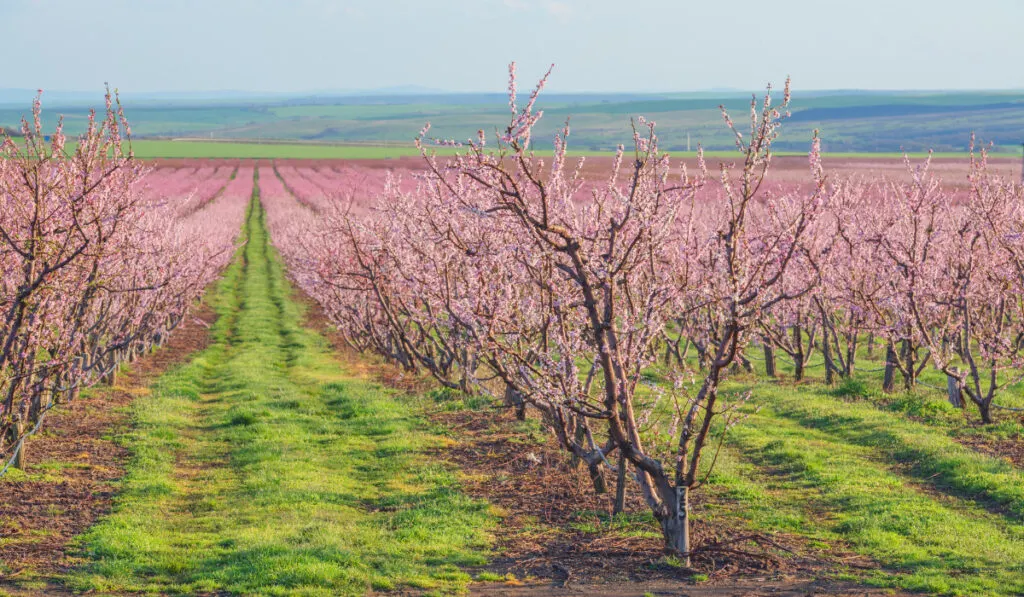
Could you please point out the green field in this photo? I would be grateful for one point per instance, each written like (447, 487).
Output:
(849, 121)
(194, 149)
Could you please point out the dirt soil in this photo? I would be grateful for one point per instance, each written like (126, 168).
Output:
(1011, 450)
(756, 587)
(551, 533)
(80, 463)
(549, 539)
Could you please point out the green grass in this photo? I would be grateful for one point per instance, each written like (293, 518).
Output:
(261, 468)
(842, 465)
(802, 480)
(916, 448)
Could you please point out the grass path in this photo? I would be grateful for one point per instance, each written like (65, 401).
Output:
(261, 467)
(941, 518)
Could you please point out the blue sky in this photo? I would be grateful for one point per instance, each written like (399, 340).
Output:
(465, 45)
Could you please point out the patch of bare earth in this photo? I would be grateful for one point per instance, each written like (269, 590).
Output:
(555, 537)
(556, 531)
(74, 464)
(1011, 450)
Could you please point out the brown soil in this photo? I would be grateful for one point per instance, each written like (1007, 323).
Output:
(754, 587)
(554, 529)
(74, 464)
(1011, 450)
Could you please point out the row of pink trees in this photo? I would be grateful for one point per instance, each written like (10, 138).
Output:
(509, 274)
(931, 273)
(93, 272)
(512, 275)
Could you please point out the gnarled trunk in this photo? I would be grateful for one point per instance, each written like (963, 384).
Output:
(597, 478)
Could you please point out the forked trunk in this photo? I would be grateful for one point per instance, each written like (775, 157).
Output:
(851, 354)
(985, 410)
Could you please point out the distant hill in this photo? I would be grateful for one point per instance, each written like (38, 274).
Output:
(848, 120)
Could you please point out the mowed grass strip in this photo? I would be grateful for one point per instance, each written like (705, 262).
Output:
(829, 485)
(918, 449)
(260, 468)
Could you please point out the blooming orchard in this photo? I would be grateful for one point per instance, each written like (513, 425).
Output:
(504, 273)
(524, 278)
(97, 266)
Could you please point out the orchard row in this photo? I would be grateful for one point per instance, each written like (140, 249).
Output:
(615, 307)
(100, 260)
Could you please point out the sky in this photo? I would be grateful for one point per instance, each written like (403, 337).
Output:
(466, 45)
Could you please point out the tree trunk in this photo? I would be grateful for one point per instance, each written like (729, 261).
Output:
(985, 409)
(830, 366)
(769, 358)
(703, 358)
(889, 378)
(676, 526)
(953, 391)
(620, 487)
(515, 400)
(907, 354)
(871, 346)
(110, 378)
(20, 458)
(597, 478)
(851, 355)
(579, 434)
(798, 354)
